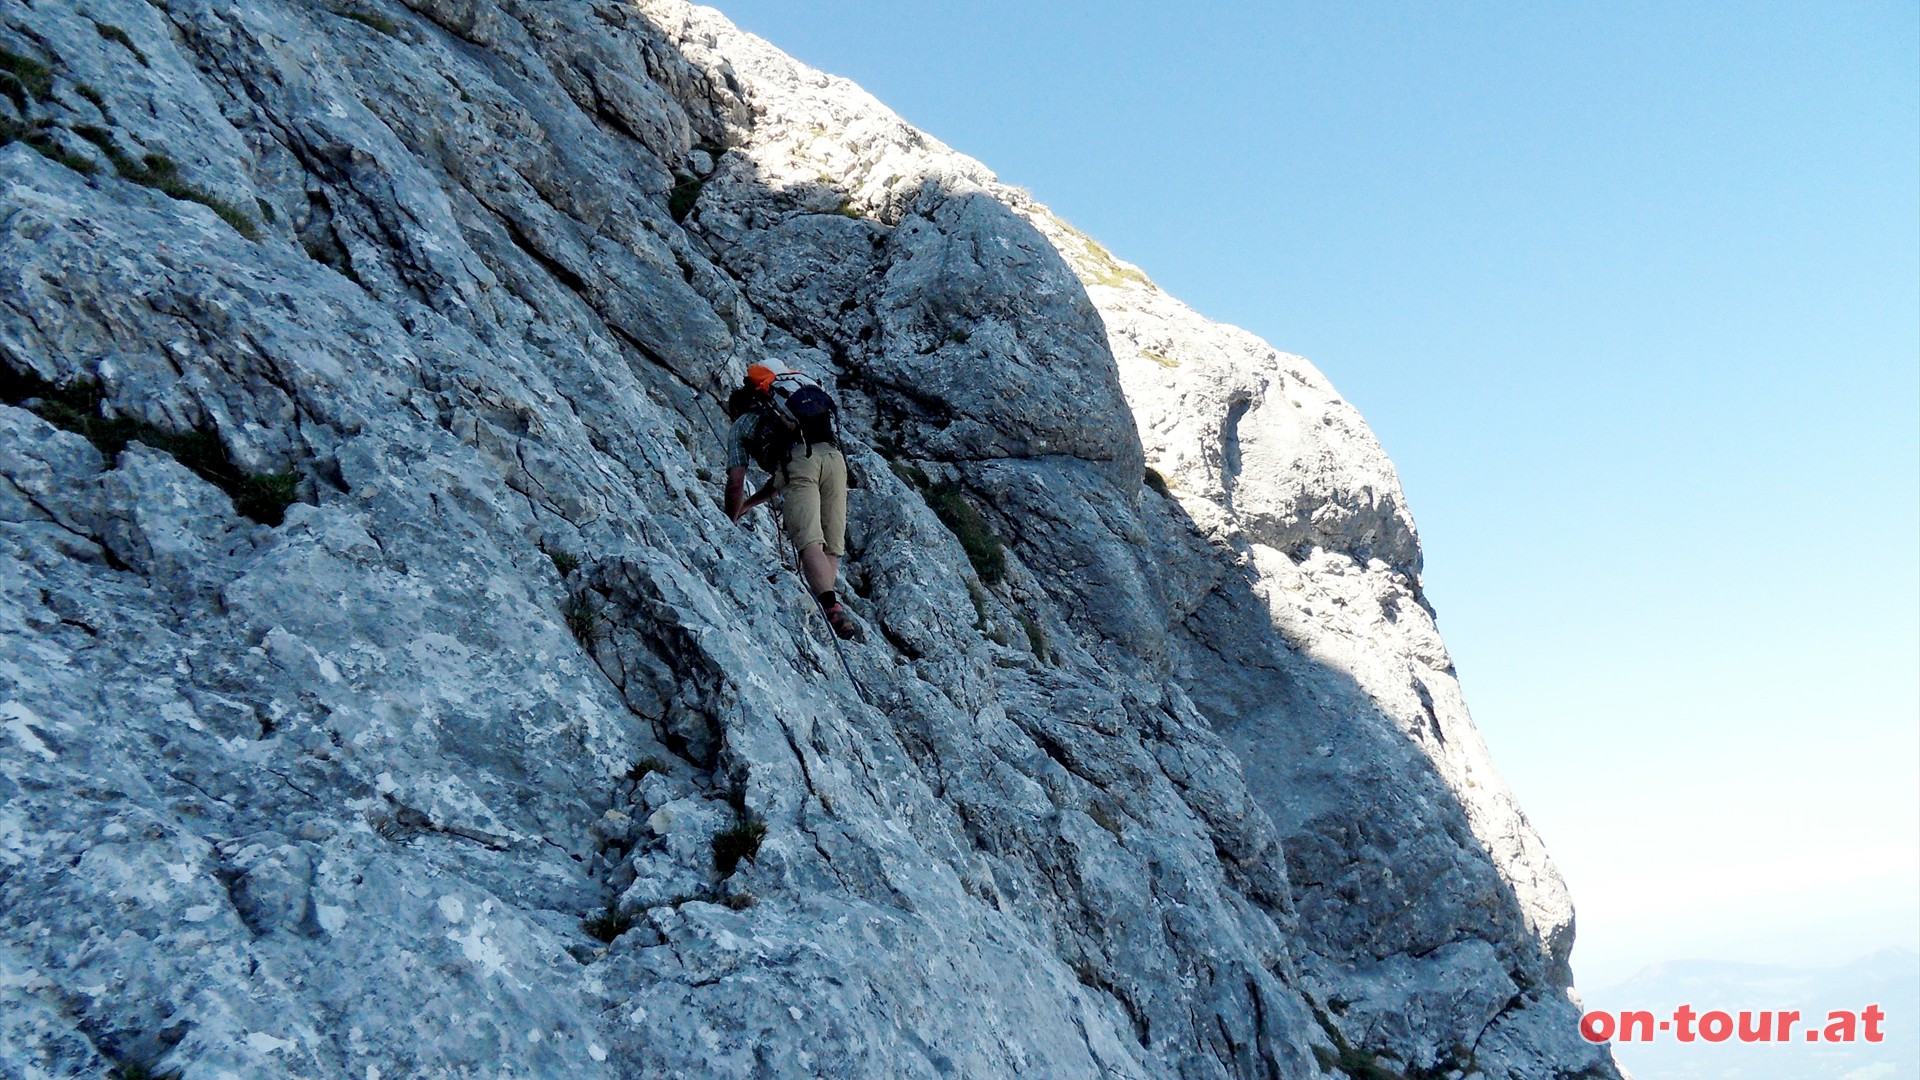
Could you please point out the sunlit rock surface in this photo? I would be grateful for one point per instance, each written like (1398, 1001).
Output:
(456, 764)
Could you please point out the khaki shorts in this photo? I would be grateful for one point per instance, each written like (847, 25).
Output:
(813, 498)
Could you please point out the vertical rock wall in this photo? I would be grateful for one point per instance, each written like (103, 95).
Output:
(385, 694)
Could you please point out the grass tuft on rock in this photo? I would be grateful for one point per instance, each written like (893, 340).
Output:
(35, 134)
(264, 497)
(121, 38)
(76, 407)
(582, 615)
(58, 154)
(910, 474)
(133, 1070)
(607, 925)
(566, 562)
(159, 172)
(1036, 637)
(984, 550)
(1357, 1063)
(740, 842)
(1093, 264)
(366, 18)
(23, 77)
(639, 769)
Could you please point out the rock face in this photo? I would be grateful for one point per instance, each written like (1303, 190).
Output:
(385, 694)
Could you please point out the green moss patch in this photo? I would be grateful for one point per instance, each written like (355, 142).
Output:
(38, 134)
(984, 550)
(22, 78)
(76, 407)
(158, 171)
(37, 137)
(366, 18)
(120, 37)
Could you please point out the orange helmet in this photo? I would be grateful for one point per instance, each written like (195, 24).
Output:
(760, 377)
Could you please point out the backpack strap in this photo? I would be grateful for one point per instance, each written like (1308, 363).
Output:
(774, 431)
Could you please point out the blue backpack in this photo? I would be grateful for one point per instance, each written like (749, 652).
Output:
(812, 410)
(799, 411)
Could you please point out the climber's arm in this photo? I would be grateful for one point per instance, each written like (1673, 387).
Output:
(739, 503)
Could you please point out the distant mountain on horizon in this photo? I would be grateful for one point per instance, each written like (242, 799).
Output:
(1889, 978)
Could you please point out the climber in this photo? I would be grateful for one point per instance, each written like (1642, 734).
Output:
(784, 424)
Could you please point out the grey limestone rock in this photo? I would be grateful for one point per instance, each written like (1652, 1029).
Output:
(499, 751)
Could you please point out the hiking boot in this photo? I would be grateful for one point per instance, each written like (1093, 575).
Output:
(842, 622)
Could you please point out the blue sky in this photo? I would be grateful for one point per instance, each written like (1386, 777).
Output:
(1631, 294)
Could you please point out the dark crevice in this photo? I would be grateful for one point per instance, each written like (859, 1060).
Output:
(1230, 446)
(1426, 706)
(552, 266)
